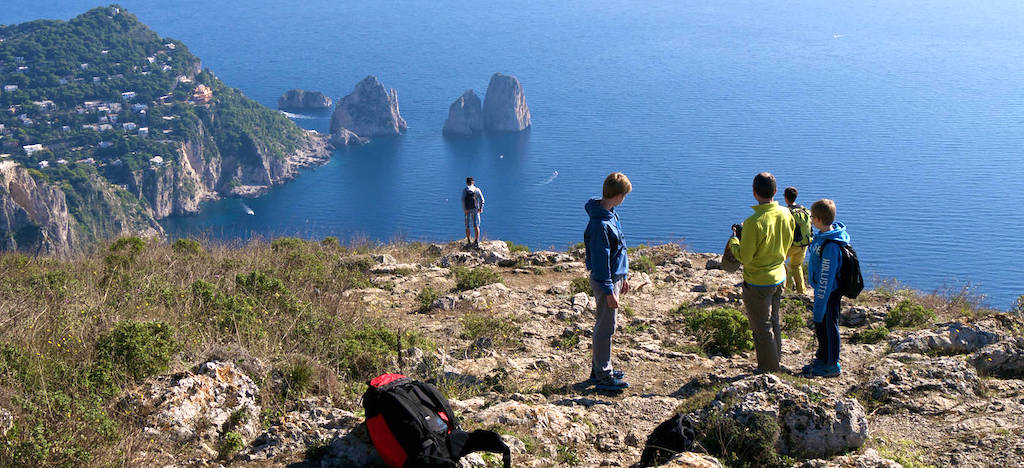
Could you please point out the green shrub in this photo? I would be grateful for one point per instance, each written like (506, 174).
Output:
(513, 247)
(330, 241)
(643, 264)
(567, 456)
(359, 353)
(230, 444)
(871, 335)
(298, 377)
(794, 313)
(566, 341)
(502, 331)
(635, 249)
(581, 285)
(426, 299)
(138, 349)
(187, 247)
(283, 244)
(725, 330)
(472, 278)
(124, 252)
(1020, 305)
(55, 284)
(909, 314)
(317, 450)
(747, 445)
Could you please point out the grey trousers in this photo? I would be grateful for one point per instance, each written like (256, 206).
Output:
(762, 303)
(604, 327)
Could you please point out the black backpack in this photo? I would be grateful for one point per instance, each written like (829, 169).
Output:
(469, 199)
(851, 282)
(674, 436)
(412, 425)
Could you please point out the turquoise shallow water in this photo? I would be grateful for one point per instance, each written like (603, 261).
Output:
(908, 114)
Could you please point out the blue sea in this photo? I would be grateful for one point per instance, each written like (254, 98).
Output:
(909, 114)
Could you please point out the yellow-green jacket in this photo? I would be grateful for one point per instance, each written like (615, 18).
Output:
(767, 235)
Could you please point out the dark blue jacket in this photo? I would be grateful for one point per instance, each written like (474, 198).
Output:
(606, 249)
(823, 266)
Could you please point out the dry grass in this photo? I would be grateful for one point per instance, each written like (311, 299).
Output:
(283, 302)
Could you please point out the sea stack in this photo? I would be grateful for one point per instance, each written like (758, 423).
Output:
(465, 116)
(370, 111)
(298, 99)
(505, 108)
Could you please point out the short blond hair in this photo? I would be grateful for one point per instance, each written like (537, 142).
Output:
(616, 184)
(825, 211)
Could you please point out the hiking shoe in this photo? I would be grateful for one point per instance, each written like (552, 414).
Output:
(808, 368)
(611, 384)
(825, 370)
(618, 374)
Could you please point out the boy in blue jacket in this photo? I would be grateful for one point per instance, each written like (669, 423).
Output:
(608, 265)
(823, 267)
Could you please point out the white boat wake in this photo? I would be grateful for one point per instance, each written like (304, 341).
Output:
(550, 178)
(296, 116)
(248, 210)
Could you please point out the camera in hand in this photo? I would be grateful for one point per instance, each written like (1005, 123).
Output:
(738, 229)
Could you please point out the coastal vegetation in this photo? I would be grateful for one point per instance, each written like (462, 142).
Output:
(102, 108)
(80, 338)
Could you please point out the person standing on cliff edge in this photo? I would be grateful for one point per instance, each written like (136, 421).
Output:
(608, 262)
(472, 207)
(761, 246)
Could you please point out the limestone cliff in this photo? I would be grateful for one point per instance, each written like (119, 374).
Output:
(465, 116)
(184, 136)
(299, 99)
(505, 108)
(36, 216)
(370, 111)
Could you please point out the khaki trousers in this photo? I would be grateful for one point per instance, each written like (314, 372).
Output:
(795, 268)
(762, 304)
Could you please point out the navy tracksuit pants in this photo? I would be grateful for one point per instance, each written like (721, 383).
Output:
(827, 331)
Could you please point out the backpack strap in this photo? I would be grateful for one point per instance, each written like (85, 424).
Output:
(481, 441)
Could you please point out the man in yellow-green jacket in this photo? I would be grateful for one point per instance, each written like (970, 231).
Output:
(761, 245)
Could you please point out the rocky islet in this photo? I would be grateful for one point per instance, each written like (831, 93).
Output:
(299, 99)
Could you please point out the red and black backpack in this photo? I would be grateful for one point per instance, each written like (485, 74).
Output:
(412, 425)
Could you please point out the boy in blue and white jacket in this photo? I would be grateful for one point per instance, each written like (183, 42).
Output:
(608, 265)
(823, 267)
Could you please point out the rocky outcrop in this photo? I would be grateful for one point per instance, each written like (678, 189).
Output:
(952, 338)
(811, 425)
(345, 137)
(465, 116)
(869, 459)
(199, 406)
(921, 384)
(505, 108)
(693, 460)
(298, 99)
(33, 215)
(369, 111)
(1004, 359)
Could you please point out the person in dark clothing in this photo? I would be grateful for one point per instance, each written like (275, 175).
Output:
(608, 264)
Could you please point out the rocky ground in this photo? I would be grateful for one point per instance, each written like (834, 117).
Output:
(514, 356)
